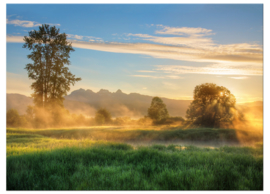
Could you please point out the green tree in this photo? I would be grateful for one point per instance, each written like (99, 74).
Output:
(13, 118)
(102, 116)
(158, 111)
(212, 105)
(50, 54)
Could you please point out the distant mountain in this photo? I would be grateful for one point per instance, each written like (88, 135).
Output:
(118, 103)
(19, 102)
(122, 104)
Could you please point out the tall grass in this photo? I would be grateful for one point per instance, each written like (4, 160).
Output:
(148, 134)
(120, 167)
(38, 162)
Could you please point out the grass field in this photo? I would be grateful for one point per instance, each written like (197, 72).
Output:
(93, 159)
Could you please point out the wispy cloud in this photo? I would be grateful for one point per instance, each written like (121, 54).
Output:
(75, 36)
(148, 76)
(26, 24)
(23, 23)
(237, 53)
(238, 77)
(146, 71)
(229, 59)
(185, 41)
(18, 39)
(183, 31)
(84, 38)
(159, 77)
(218, 69)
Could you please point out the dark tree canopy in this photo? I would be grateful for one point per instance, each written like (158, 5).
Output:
(50, 54)
(102, 116)
(158, 111)
(212, 105)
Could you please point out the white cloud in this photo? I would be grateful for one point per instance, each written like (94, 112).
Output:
(84, 38)
(178, 53)
(146, 71)
(218, 69)
(238, 77)
(229, 59)
(23, 23)
(26, 24)
(183, 31)
(18, 39)
(235, 54)
(159, 77)
(185, 41)
(148, 76)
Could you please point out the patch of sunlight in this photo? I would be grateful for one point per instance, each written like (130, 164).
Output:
(180, 147)
(19, 144)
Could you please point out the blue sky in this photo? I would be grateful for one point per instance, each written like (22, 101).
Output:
(159, 50)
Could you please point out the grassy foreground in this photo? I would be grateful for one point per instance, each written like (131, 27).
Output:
(38, 162)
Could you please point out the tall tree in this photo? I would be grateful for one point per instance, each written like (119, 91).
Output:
(211, 106)
(50, 54)
(158, 111)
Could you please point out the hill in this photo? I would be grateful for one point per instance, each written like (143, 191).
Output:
(118, 103)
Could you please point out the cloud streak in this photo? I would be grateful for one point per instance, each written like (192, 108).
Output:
(217, 69)
(225, 53)
(25, 23)
(158, 77)
(189, 44)
(183, 31)
(238, 77)
(84, 38)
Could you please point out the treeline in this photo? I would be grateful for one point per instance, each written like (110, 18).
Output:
(213, 106)
(41, 118)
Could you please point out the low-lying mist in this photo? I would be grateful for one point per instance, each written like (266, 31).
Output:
(245, 129)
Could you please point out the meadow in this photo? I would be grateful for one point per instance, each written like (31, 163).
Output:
(126, 158)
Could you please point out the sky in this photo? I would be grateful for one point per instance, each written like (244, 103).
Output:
(153, 49)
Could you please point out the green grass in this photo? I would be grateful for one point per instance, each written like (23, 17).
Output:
(43, 162)
(145, 134)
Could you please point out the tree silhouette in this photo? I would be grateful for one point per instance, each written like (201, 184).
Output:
(102, 116)
(158, 111)
(50, 54)
(212, 105)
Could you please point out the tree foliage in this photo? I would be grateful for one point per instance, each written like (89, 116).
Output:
(102, 116)
(50, 54)
(212, 105)
(13, 117)
(158, 111)
(16, 120)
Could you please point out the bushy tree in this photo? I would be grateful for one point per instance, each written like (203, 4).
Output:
(158, 111)
(102, 116)
(16, 120)
(212, 105)
(13, 118)
(50, 54)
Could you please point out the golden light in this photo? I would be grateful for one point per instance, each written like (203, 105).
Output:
(221, 93)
